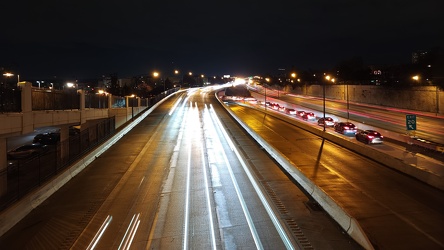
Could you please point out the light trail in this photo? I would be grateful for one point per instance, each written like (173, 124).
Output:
(175, 105)
(100, 232)
(280, 228)
(191, 117)
(207, 187)
(241, 199)
(130, 233)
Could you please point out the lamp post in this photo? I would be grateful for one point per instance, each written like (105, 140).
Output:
(132, 106)
(323, 91)
(348, 105)
(265, 87)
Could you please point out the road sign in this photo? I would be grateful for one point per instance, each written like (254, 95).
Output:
(410, 121)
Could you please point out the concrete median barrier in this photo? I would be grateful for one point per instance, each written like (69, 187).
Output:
(347, 222)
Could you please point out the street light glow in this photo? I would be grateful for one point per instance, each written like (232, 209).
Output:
(155, 74)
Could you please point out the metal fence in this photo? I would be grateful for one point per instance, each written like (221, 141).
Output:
(44, 99)
(98, 101)
(10, 99)
(118, 102)
(24, 175)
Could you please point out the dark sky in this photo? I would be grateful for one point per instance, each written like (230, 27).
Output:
(68, 38)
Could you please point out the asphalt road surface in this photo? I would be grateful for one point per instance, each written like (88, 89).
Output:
(176, 181)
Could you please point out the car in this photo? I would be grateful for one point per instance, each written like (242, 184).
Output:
(346, 128)
(300, 113)
(329, 122)
(290, 111)
(282, 109)
(309, 116)
(369, 137)
(26, 151)
(275, 106)
(47, 138)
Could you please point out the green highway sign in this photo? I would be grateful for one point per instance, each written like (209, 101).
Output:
(410, 121)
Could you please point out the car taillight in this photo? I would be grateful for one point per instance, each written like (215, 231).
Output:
(345, 127)
(370, 136)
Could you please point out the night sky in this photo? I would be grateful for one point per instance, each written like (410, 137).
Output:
(92, 38)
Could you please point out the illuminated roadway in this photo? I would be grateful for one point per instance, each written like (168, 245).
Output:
(395, 210)
(175, 181)
(430, 126)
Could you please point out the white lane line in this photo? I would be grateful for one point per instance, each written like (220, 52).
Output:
(279, 227)
(241, 199)
(187, 188)
(100, 232)
(207, 187)
(130, 232)
(175, 105)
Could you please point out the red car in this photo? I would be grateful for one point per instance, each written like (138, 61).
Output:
(369, 136)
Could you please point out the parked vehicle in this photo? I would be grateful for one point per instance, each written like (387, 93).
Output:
(369, 136)
(300, 113)
(47, 138)
(346, 128)
(308, 116)
(26, 151)
(329, 122)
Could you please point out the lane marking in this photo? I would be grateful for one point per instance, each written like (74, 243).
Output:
(207, 186)
(279, 227)
(241, 199)
(100, 232)
(130, 232)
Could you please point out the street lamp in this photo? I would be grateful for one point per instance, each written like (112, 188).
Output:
(7, 75)
(156, 75)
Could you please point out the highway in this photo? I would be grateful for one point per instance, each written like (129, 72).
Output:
(430, 126)
(395, 210)
(186, 177)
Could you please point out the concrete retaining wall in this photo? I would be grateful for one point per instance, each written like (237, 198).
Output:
(421, 98)
(12, 215)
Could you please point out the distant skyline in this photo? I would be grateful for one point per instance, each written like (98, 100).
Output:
(87, 39)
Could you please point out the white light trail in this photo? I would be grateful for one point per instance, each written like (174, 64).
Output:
(259, 192)
(175, 105)
(187, 188)
(241, 199)
(130, 233)
(99, 233)
(207, 192)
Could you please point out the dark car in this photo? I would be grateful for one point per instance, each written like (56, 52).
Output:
(309, 116)
(26, 151)
(47, 138)
(300, 113)
(369, 136)
(329, 122)
(346, 128)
